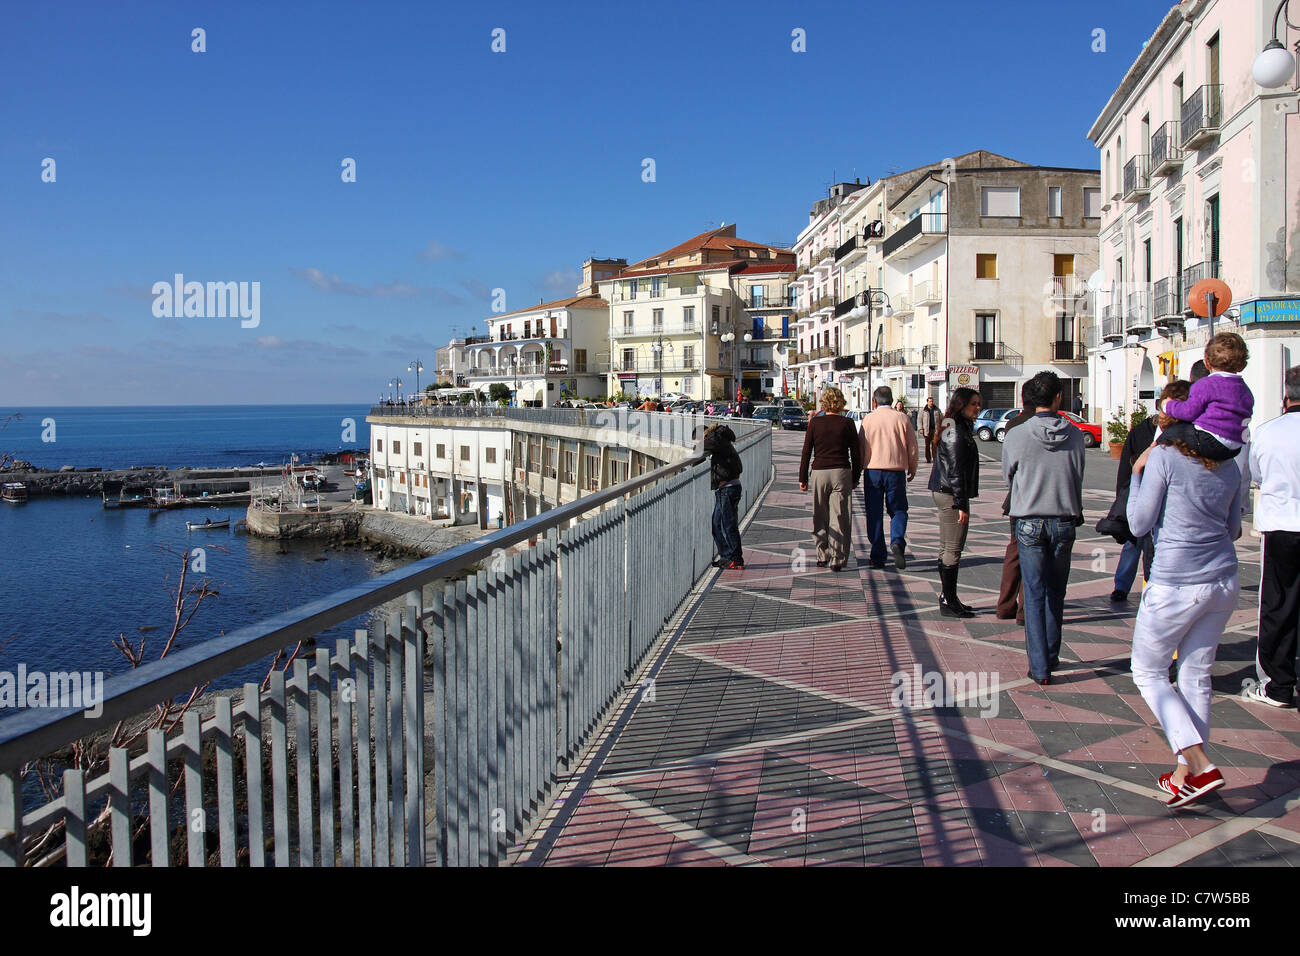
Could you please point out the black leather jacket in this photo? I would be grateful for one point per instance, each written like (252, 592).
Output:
(956, 463)
(725, 464)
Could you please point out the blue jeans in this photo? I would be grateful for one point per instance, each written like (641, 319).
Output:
(1127, 571)
(726, 523)
(883, 490)
(1045, 546)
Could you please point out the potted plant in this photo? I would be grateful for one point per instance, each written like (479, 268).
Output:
(1117, 428)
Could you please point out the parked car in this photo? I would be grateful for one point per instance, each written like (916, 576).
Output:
(989, 421)
(1091, 432)
(794, 417)
(770, 413)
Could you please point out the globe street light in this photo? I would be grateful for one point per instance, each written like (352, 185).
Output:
(730, 337)
(1275, 65)
(417, 368)
(396, 383)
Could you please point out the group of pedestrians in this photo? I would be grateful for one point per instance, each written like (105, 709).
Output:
(1184, 476)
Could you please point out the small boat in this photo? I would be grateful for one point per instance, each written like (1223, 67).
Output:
(14, 492)
(207, 524)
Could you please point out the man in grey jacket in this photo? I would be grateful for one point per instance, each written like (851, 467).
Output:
(1042, 461)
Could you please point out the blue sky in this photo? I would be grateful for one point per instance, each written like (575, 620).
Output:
(475, 169)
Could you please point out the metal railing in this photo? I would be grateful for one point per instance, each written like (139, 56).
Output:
(1137, 177)
(1068, 351)
(991, 352)
(1167, 299)
(928, 292)
(642, 329)
(1112, 322)
(1200, 115)
(926, 224)
(514, 666)
(1166, 153)
(1137, 311)
(1201, 270)
(902, 304)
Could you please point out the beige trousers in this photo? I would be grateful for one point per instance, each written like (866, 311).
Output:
(832, 491)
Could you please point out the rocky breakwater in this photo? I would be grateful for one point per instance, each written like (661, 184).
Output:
(80, 482)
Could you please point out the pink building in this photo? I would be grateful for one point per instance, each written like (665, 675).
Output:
(1200, 172)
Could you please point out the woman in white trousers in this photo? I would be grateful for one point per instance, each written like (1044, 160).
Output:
(1193, 507)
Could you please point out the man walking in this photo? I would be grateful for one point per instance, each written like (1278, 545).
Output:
(1042, 461)
(928, 424)
(888, 451)
(1275, 463)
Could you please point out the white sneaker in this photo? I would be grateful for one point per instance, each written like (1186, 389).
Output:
(1255, 694)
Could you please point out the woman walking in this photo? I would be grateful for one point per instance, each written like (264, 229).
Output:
(1192, 506)
(832, 445)
(954, 480)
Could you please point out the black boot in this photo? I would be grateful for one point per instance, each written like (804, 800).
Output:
(956, 571)
(949, 605)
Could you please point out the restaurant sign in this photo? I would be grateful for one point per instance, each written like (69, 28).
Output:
(1270, 310)
(963, 376)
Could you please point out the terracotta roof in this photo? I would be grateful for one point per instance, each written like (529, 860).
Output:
(573, 302)
(671, 270)
(762, 268)
(721, 239)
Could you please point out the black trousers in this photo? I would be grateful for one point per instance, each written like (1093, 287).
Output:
(1279, 614)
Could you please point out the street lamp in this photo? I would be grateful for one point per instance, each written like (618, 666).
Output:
(730, 337)
(1275, 65)
(868, 299)
(417, 368)
(396, 383)
(514, 377)
(658, 350)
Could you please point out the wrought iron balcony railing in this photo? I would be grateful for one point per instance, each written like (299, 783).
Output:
(1201, 115)
(1166, 152)
(1137, 178)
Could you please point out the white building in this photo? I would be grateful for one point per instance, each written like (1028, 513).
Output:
(1201, 176)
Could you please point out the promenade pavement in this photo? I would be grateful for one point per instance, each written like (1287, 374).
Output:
(771, 733)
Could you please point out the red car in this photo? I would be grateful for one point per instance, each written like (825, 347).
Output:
(1091, 432)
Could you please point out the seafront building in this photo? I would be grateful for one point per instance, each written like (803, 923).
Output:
(1201, 176)
(699, 318)
(974, 267)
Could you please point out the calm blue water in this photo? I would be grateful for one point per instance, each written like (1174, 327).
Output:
(217, 435)
(74, 576)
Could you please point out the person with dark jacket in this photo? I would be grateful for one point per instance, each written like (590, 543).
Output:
(724, 478)
(1140, 438)
(954, 481)
(927, 426)
(1011, 593)
(831, 452)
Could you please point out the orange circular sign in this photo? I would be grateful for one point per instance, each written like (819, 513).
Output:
(1197, 297)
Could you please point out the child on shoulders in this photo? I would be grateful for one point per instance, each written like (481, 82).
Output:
(1212, 422)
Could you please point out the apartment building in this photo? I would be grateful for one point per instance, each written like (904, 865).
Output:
(1201, 179)
(966, 272)
(699, 319)
(547, 353)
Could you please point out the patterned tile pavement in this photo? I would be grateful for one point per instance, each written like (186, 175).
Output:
(773, 736)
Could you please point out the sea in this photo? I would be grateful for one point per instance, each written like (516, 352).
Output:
(75, 578)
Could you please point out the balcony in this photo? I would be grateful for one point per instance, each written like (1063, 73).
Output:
(1202, 270)
(652, 330)
(896, 357)
(845, 362)
(990, 352)
(1167, 303)
(846, 306)
(1201, 114)
(1067, 290)
(930, 355)
(929, 293)
(824, 352)
(1166, 154)
(1091, 336)
(1137, 311)
(919, 234)
(902, 305)
(757, 303)
(824, 302)
(648, 366)
(1112, 324)
(1068, 351)
(1137, 178)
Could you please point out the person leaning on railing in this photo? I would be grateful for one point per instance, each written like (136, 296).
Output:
(725, 468)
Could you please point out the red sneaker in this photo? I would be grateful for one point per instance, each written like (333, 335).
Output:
(1166, 783)
(736, 566)
(1194, 788)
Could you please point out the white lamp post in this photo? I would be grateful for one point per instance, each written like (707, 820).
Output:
(1275, 66)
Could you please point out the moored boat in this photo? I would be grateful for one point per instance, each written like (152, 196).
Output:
(14, 492)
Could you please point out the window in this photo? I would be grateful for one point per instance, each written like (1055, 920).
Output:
(548, 461)
(490, 455)
(688, 316)
(579, 360)
(464, 452)
(627, 321)
(401, 477)
(688, 384)
(756, 296)
(629, 360)
(1054, 202)
(1146, 260)
(593, 472)
(617, 471)
(1092, 203)
(688, 356)
(717, 317)
(656, 288)
(397, 448)
(570, 460)
(442, 451)
(986, 265)
(419, 449)
(379, 444)
(1212, 60)
(986, 327)
(1178, 257)
(1212, 233)
(657, 318)
(1000, 201)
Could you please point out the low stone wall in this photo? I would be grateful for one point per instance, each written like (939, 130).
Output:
(343, 521)
(419, 535)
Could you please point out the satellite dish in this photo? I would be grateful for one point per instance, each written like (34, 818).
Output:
(1097, 280)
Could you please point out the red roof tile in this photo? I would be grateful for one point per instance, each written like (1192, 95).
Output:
(573, 302)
